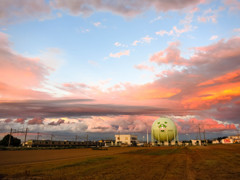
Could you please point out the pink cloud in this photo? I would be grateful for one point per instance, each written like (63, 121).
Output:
(233, 5)
(226, 78)
(136, 42)
(124, 8)
(97, 24)
(210, 15)
(207, 86)
(210, 80)
(144, 67)
(13, 11)
(213, 37)
(119, 54)
(236, 30)
(176, 31)
(20, 120)
(8, 120)
(209, 125)
(123, 123)
(53, 123)
(36, 120)
(163, 32)
(146, 39)
(41, 9)
(171, 55)
(13, 65)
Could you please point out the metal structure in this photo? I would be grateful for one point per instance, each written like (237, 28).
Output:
(50, 143)
(163, 131)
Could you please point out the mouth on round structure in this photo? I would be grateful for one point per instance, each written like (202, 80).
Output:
(162, 130)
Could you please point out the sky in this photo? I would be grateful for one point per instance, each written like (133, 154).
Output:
(72, 67)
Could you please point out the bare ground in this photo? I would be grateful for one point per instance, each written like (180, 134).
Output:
(206, 162)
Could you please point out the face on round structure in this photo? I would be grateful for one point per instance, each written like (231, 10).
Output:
(164, 129)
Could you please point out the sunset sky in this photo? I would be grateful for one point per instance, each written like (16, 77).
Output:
(109, 66)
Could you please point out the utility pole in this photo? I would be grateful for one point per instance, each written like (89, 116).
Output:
(25, 136)
(147, 136)
(199, 134)
(204, 136)
(9, 139)
(37, 136)
(76, 138)
(238, 133)
(52, 136)
(87, 140)
(52, 139)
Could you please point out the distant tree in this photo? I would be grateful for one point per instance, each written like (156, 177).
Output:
(220, 138)
(14, 141)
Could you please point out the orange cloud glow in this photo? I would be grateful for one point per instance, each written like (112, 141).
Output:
(209, 125)
(18, 74)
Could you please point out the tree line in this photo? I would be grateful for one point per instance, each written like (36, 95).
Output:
(9, 140)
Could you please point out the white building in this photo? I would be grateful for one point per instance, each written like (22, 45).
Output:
(215, 142)
(125, 139)
(196, 142)
(227, 141)
(236, 138)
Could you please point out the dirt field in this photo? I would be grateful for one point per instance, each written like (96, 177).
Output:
(206, 162)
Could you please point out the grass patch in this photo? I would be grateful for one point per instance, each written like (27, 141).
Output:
(88, 161)
(156, 151)
(139, 151)
(161, 152)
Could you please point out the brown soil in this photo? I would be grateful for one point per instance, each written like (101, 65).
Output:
(206, 162)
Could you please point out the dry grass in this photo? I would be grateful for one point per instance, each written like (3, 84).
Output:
(208, 162)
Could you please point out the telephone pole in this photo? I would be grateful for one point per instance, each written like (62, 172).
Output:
(37, 136)
(25, 135)
(9, 139)
(76, 138)
(199, 132)
(204, 136)
(147, 136)
(52, 136)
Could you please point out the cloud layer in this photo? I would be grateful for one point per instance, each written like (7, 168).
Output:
(19, 74)
(41, 9)
(206, 87)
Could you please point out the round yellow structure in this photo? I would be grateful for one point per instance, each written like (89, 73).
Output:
(164, 129)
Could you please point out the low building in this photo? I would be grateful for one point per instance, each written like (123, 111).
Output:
(166, 143)
(107, 142)
(227, 141)
(179, 143)
(196, 142)
(236, 138)
(215, 141)
(126, 139)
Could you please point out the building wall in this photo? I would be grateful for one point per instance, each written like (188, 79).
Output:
(125, 139)
(215, 142)
(234, 137)
(195, 142)
(227, 141)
